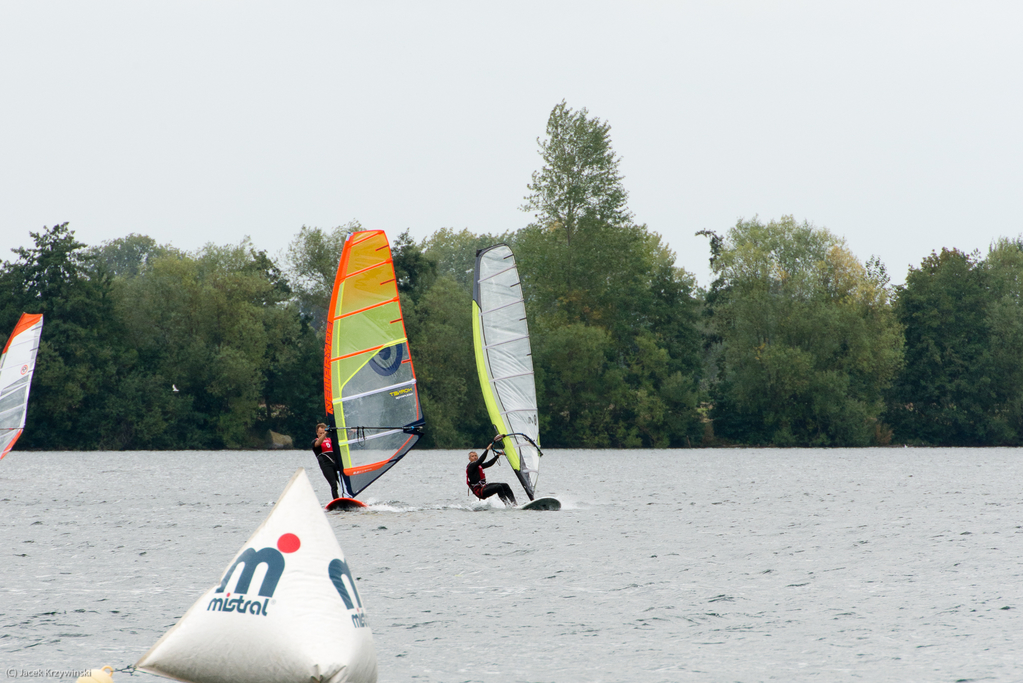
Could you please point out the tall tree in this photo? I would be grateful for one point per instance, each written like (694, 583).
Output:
(607, 288)
(579, 184)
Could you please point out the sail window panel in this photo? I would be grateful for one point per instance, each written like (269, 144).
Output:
(506, 365)
(367, 251)
(14, 419)
(21, 381)
(366, 289)
(515, 394)
(14, 399)
(376, 327)
(363, 479)
(395, 408)
(517, 400)
(387, 367)
(497, 294)
(371, 450)
(504, 323)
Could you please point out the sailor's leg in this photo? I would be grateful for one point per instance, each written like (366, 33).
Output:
(329, 473)
(507, 497)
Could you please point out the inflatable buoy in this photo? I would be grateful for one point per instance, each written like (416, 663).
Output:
(104, 675)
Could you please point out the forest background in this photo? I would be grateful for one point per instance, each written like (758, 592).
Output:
(795, 343)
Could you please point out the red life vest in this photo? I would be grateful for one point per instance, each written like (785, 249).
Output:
(476, 489)
(326, 446)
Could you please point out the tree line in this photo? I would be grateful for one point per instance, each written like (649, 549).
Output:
(795, 343)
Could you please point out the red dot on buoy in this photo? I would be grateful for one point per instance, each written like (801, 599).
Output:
(288, 543)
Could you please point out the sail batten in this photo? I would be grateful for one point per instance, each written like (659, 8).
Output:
(504, 360)
(495, 380)
(506, 341)
(500, 272)
(498, 308)
(368, 308)
(383, 389)
(369, 378)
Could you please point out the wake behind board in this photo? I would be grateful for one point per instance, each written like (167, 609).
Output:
(345, 504)
(543, 504)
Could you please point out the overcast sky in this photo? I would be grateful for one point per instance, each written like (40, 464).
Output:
(898, 126)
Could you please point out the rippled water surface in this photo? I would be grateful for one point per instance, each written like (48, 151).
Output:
(717, 565)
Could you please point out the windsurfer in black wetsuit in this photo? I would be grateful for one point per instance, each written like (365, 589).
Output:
(476, 480)
(323, 447)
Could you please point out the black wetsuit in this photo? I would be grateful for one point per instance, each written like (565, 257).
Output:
(327, 465)
(476, 480)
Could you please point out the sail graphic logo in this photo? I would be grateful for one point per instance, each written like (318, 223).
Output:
(388, 360)
(249, 559)
(24, 369)
(401, 393)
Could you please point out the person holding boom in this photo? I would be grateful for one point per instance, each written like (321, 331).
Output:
(476, 480)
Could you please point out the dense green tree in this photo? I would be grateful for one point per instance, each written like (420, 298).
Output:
(809, 339)
(205, 324)
(964, 335)
(77, 400)
(1005, 323)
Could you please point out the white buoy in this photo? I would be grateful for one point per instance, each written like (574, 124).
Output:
(286, 609)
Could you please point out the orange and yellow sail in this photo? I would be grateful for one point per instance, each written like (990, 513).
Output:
(369, 384)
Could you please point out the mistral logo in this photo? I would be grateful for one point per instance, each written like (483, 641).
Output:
(337, 570)
(249, 560)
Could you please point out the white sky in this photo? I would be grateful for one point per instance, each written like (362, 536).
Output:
(896, 125)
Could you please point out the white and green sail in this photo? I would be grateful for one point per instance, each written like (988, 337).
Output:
(504, 360)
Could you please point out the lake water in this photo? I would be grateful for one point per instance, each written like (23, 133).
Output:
(695, 565)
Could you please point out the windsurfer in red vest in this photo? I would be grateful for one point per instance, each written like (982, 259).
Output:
(476, 480)
(323, 447)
